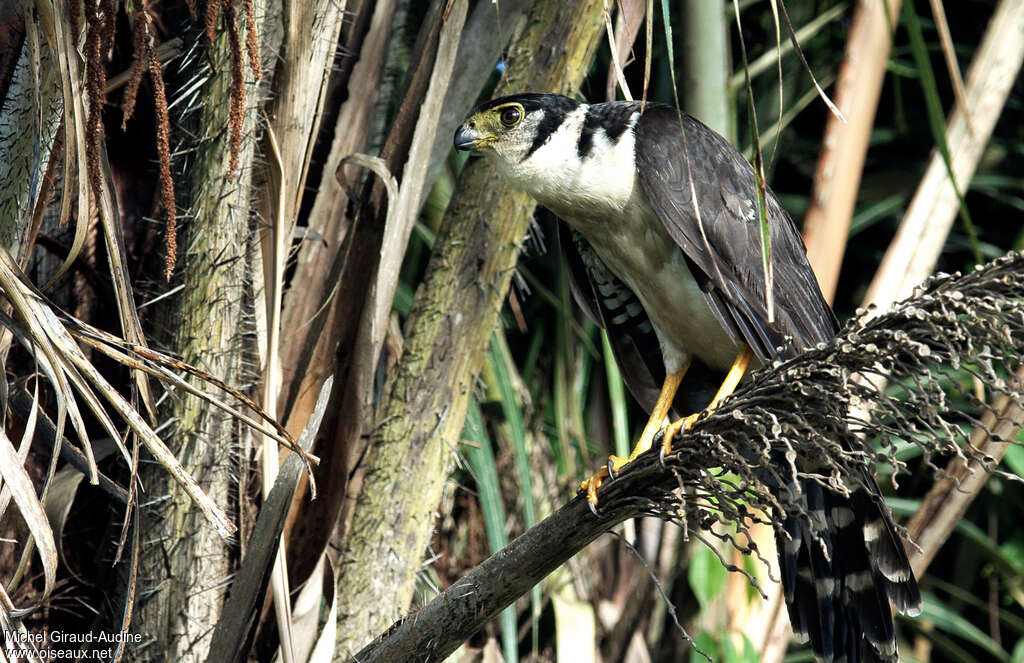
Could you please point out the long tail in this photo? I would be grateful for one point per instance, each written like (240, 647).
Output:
(841, 571)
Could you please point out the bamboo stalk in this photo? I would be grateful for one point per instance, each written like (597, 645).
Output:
(845, 145)
(922, 234)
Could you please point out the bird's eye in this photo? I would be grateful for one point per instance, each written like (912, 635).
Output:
(510, 116)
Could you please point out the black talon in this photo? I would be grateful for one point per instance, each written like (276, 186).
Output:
(658, 437)
(611, 470)
(593, 509)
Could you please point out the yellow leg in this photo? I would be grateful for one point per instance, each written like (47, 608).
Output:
(732, 378)
(654, 423)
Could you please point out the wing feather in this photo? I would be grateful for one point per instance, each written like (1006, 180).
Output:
(722, 236)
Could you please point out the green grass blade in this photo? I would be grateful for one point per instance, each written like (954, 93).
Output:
(908, 507)
(562, 307)
(767, 60)
(960, 594)
(501, 363)
(946, 620)
(795, 108)
(560, 387)
(617, 399)
(579, 393)
(871, 214)
(760, 185)
(499, 357)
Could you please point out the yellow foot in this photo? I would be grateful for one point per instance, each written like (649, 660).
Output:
(590, 486)
(732, 378)
(658, 414)
(675, 428)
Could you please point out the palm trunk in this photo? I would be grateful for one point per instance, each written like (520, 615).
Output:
(185, 567)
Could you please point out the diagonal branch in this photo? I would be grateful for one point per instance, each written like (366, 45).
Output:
(716, 477)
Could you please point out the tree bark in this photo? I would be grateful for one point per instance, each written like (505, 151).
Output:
(425, 400)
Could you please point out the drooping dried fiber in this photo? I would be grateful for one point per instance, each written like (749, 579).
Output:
(823, 409)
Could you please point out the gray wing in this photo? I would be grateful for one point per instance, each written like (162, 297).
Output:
(829, 603)
(725, 246)
(615, 308)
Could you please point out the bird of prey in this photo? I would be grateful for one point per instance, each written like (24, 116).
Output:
(664, 250)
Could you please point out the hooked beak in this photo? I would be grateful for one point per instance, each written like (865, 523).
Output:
(467, 138)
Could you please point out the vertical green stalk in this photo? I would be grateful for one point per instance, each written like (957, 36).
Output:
(501, 361)
(617, 400)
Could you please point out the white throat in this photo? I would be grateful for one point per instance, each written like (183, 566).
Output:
(602, 182)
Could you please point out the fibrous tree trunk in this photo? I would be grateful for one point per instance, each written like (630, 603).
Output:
(452, 320)
(185, 567)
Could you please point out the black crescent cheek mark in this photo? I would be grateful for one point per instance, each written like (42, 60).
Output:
(591, 123)
(548, 124)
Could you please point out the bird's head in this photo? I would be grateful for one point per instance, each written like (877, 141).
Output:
(509, 129)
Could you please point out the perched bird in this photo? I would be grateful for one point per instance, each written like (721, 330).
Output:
(664, 250)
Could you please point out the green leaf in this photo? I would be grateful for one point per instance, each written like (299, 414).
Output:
(1018, 652)
(936, 118)
(706, 576)
(481, 462)
(1014, 459)
(955, 625)
(617, 398)
(750, 654)
(754, 569)
(729, 653)
(500, 359)
(975, 535)
(1013, 551)
(967, 598)
(706, 643)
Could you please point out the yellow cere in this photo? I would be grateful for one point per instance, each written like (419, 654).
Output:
(491, 122)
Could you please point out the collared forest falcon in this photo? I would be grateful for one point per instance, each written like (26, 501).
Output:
(663, 246)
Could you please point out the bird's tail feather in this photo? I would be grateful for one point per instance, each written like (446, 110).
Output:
(842, 564)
